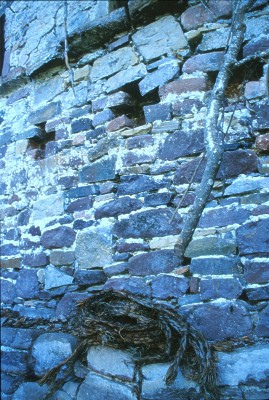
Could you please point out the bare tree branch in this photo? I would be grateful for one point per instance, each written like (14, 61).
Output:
(66, 48)
(214, 136)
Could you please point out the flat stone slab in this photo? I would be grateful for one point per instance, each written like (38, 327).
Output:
(160, 37)
(96, 387)
(245, 365)
(109, 361)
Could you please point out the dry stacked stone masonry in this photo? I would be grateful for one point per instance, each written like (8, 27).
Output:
(94, 161)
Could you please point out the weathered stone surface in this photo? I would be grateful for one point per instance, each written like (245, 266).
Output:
(124, 205)
(112, 63)
(184, 85)
(14, 361)
(94, 247)
(56, 278)
(254, 89)
(261, 116)
(238, 162)
(166, 32)
(148, 224)
(154, 386)
(122, 78)
(111, 362)
(8, 250)
(89, 277)
(114, 101)
(84, 203)
(81, 124)
(67, 306)
(99, 171)
(153, 263)
(253, 237)
(138, 142)
(18, 338)
(119, 123)
(50, 349)
(63, 236)
(210, 246)
(157, 199)
(102, 147)
(102, 117)
(223, 216)
(167, 286)
(164, 74)
(246, 184)
(134, 285)
(59, 257)
(14, 263)
(158, 112)
(255, 46)
(262, 142)
(8, 291)
(228, 288)
(204, 62)
(181, 144)
(198, 14)
(214, 40)
(45, 113)
(223, 320)
(248, 365)
(47, 207)
(9, 383)
(262, 328)
(256, 271)
(82, 191)
(186, 106)
(132, 184)
(258, 293)
(133, 158)
(27, 284)
(99, 388)
(214, 265)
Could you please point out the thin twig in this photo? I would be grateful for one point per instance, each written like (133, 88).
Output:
(188, 187)
(66, 48)
(252, 57)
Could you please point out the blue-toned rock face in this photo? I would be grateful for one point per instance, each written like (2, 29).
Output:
(103, 108)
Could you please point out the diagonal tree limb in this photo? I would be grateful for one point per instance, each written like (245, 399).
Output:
(214, 137)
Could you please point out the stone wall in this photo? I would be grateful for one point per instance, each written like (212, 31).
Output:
(94, 163)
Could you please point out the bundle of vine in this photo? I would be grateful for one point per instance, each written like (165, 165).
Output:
(151, 332)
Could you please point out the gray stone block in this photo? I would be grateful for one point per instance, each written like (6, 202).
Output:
(153, 263)
(154, 386)
(222, 320)
(262, 328)
(160, 37)
(122, 78)
(99, 171)
(181, 144)
(27, 284)
(134, 285)
(96, 387)
(50, 349)
(247, 365)
(94, 247)
(214, 265)
(228, 288)
(102, 117)
(168, 286)
(111, 362)
(112, 63)
(114, 208)
(56, 278)
(210, 246)
(253, 237)
(30, 390)
(60, 257)
(148, 224)
(45, 113)
(164, 74)
(63, 236)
